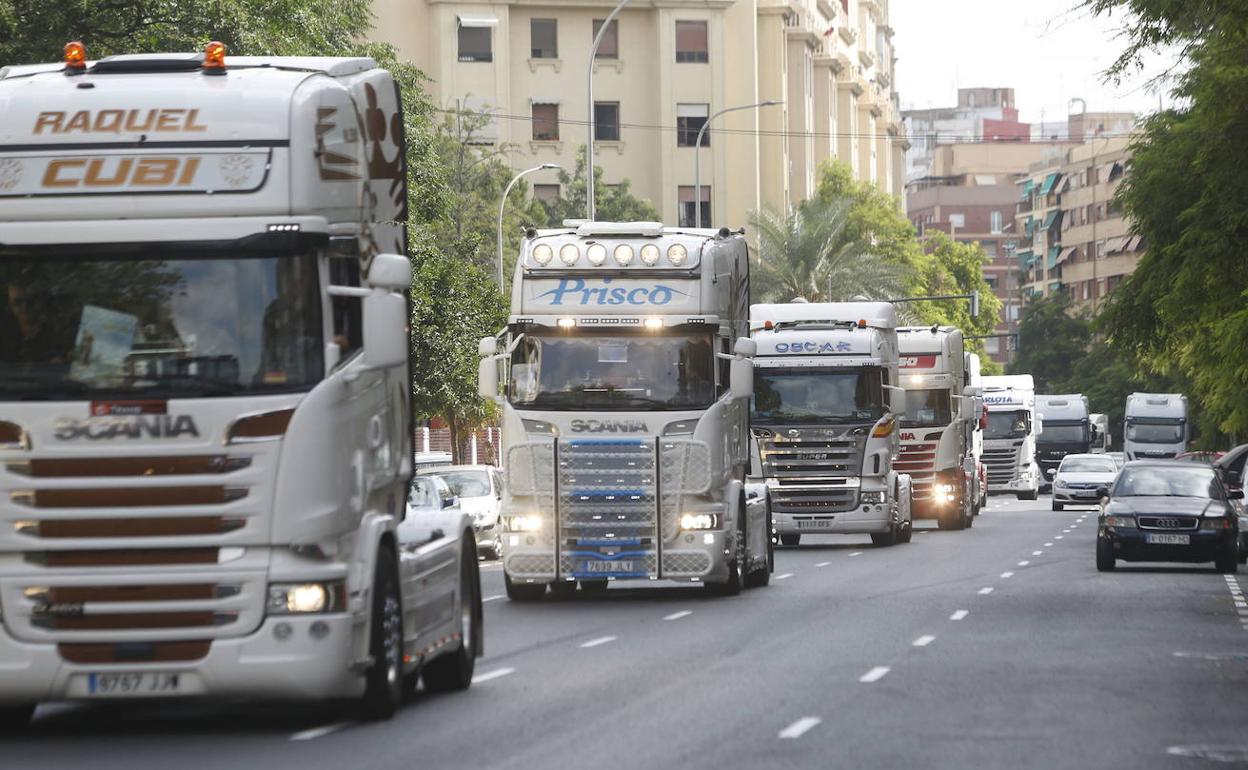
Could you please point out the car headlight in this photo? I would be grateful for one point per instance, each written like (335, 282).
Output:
(1059, 484)
(693, 521)
(1216, 522)
(872, 497)
(1121, 522)
(524, 523)
(306, 598)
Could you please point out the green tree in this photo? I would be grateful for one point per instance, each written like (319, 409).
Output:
(1051, 341)
(612, 203)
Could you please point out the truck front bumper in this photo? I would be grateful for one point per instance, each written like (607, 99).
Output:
(860, 520)
(692, 555)
(286, 658)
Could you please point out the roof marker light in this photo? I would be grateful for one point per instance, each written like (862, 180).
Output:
(596, 254)
(768, 325)
(650, 255)
(654, 323)
(623, 255)
(542, 254)
(569, 253)
(566, 323)
(862, 323)
(214, 58)
(75, 57)
(677, 254)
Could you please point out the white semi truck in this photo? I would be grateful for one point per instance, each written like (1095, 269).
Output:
(1156, 425)
(1068, 430)
(825, 413)
(1100, 426)
(975, 379)
(625, 411)
(205, 433)
(1010, 436)
(936, 430)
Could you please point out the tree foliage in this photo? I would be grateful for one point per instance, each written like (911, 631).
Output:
(612, 203)
(1051, 341)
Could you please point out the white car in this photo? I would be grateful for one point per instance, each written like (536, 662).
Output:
(478, 490)
(1077, 479)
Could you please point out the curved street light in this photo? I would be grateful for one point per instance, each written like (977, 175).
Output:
(589, 147)
(697, 154)
(502, 205)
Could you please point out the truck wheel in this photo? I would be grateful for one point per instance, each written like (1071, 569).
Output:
(732, 586)
(14, 719)
(1058, 506)
(1104, 556)
(761, 576)
(970, 518)
(383, 689)
(523, 592)
(907, 532)
(1225, 560)
(790, 539)
(453, 671)
(953, 522)
(885, 539)
(1032, 495)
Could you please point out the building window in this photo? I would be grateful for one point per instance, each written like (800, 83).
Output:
(544, 39)
(546, 193)
(474, 44)
(691, 42)
(957, 220)
(994, 222)
(992, 345)
(687, 212)
(546, 122)
(609, 48)
(991, 280)
(607, 121)
(689, 121)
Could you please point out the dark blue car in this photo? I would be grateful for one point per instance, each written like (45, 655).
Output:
(1168, 511)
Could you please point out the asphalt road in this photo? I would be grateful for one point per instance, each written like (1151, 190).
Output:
(997, 647)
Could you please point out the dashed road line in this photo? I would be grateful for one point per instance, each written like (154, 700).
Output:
(1007, 575)
(799, 728)
(599, 641)
(923, 641)
(1048, 545)
(856, 553)
(785, 576)
(875, 674)
(1037, 553)
(678, 615)
(320, 732)
(1060, 537)
(986, 590)
(1023, 563)
(959, 614)
(823, 564)
(497, 673)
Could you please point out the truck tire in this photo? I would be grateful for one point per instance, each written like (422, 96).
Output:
(1104, 556)
(14, 719)
(523, 592)
(885, 539)
(383, 689)
(453, 671)
(791, 540)
(761, 576)
(1032, 495)
(732, 585)
(907, 532)
(952, 522)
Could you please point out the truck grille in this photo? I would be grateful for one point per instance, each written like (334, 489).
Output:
(608, 508)
(811, 470)
(1002, 463)
(918, 460)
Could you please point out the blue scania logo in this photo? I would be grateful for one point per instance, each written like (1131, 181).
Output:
(576, 292)
(812, 347)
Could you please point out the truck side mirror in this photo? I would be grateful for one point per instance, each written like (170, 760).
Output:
(896, 399)
(390, 271)
(741, 369)
(385, 329)
(966, 408)
(487, 368)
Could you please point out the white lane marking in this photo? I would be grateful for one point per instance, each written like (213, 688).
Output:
(799, 728)
(1074, 526)
(497, 673)
(785, 576)
(1048, 545)
(1065, 531)
(493, 598)
(599, 641)
(1037, 553)
(823, 564)
(678, 615)
(856, 553)
(1023, 563)
(959, 614)
(1007, 575)
(320, 732)
(875, 674)
(1060, 537)
(923, 641)
(985, 590)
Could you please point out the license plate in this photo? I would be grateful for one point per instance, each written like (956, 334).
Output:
(121, 683)
(1169, 539)
(607, 567)
(1085, 493)
(814, 524)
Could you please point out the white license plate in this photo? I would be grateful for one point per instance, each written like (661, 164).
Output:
(607, 567)
(1169, 539)
(1085, 493)
(122, 683)
(814, 524)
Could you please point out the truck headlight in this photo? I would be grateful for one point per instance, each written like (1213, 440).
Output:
(694, 521)
(871, 497)
(945, 493)
(524, 523)
(306, 598)
(1122, 522)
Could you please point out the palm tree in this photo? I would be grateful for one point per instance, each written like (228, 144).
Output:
(810, 253)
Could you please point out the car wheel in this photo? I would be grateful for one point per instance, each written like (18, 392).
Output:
(453, 671)
(523, 592)
(790, 539)
(14, 719)
(1226, 560)
(1057, 506)
(384, 679)
(1104, 555)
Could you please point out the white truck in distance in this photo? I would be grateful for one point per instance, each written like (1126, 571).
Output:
(975, 379)
(1155, 426)
(1010, 436)
(205, 434)
(825, 415)
(936, 428)
(1067, 430)
(626, 411)
(1100, 423)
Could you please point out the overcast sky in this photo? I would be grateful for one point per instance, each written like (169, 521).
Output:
(1049, 51)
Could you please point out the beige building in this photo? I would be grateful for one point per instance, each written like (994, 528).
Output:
(1076, 239)
(663, 68)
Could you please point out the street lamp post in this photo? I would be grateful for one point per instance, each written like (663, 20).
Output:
(502, 204)
(697, 154)
(589, 146)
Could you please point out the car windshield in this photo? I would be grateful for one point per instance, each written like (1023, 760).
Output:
(926, 408)
(467, 483)
(423, 494)
(157, 321)
(1176, 481)
(1087, 465)
(1155, 432)
(1063, 433)
(786, 396)
(617, 372)
(1003, 425)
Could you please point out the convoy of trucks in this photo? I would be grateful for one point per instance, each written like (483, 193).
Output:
(1156, 425)
(825, 415)
(1010, 435)
(1068, 430)
(205, 430)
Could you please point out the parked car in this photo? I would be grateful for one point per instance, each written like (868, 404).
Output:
(479, 492)
(1078, 477)
(1168, 511)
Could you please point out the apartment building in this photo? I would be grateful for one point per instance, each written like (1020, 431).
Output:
(661, 72)
(1076, 239)
(981, 115)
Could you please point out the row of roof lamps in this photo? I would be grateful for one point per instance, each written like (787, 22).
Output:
(623, 254)
(76, 58)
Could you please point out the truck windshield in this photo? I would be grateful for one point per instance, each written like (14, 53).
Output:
(1008, 425)
(156, 322)
(927, 407)
(785, 396)
(617, 372)
(1154, 432)
(1063, 433)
